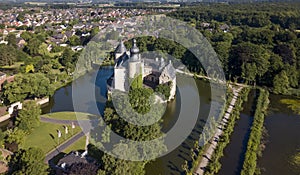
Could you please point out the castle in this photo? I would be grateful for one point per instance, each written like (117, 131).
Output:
(129, 65)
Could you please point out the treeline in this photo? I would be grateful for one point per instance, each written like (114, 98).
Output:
(258, 44)
(251, 14)
(254, 142)
(214, 165)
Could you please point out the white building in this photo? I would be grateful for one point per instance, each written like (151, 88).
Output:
(129, 65)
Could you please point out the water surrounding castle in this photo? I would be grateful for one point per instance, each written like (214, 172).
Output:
(129, 65)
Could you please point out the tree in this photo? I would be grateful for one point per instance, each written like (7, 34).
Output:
(12, 40)
(293, 75)
(74, 40)
(7, 55)
(29, 117)
(248, 61)
(139, 99)
(95, 31)
(66, 57)
(116, 166)
(83, 169)
(164, 89)
(32, 48)
(26, 36)
(28, 162)
(281, 83)
(15, 135)
(2, 137)
(27, 86)
(29, 68)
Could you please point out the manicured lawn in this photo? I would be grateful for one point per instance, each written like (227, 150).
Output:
(45, 136)
(78, 145)
(70, 116)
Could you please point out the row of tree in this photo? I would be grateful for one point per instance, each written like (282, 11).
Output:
(254, 142)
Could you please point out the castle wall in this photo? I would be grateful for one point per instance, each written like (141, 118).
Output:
(119, 79)
(173, 89)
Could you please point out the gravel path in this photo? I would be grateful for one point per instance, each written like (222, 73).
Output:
(213, 143)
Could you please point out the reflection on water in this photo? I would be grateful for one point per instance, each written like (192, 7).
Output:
(62, 99)
(283, 141)
(169, 164)
(233, 158)
(172, 162)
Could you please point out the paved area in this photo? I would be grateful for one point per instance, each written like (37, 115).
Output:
(57, 121)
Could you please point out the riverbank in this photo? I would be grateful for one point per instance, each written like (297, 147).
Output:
(233, 158)
(212, 144)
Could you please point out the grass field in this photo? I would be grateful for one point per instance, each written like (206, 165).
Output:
(70, 116)
(78, 145)
(45, 136)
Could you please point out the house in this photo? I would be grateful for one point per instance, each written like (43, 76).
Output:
(20, 42)
(78, 26)
(130, 65)
(225, 28)
(3, 42)
(205, 24)
(64, 165)
(77, 48)
(5, 78)
(69, 34)
(60, 36)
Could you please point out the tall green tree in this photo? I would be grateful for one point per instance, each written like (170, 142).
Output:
(28, 162)
(249, 61)
(12, 40)
(281, 83)
(32, 47)
(27, 86)
(29, 117)
(7, 55)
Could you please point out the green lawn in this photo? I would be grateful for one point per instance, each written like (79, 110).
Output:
(70, 116)
(14, 66)
(45, 136)
(78, 145)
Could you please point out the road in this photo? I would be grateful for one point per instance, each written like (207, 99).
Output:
(62, 147)
(58, 121)
(213, 143)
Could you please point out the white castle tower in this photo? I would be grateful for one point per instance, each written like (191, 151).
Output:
(135, 65)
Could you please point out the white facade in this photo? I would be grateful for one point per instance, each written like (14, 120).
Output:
(129, 66)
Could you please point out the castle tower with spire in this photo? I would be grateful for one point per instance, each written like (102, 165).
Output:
(129, 65)
(135, 64)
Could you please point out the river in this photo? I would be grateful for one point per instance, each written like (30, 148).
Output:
(233, 158)
(169, 164)
(283, 141)
(281, 123)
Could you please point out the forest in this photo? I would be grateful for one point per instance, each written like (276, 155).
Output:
(258, 43)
